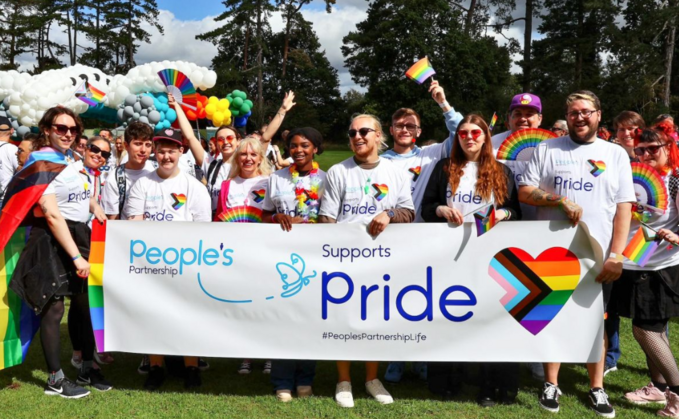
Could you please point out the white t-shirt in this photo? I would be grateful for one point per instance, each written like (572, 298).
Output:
(181, 198)
(8, 165)
(597, 176)
(465, 198)
(528, 212)
(73, 192)
(356, 195)
(110, 197)
(187, 163)
(247, 192)
(222, 175)
(282, 198)
(665, 255)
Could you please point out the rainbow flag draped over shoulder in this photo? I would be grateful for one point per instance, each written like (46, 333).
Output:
(18, 323)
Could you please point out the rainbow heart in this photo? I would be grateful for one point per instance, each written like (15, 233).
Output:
(597, 167)
(537, 289)
(179, 200)
(381, 191)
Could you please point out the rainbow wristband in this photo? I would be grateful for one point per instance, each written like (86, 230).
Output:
(76, 257)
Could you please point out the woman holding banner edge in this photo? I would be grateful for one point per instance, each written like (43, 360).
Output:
(470, 180)
(648, 294)
(294, 197)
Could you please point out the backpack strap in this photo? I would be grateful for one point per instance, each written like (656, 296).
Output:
(213, 172)
(121, 180)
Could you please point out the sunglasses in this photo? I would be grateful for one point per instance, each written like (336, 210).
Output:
(362, 131)
(651, 149)
(96, 150)
(64, 129)
(228, 138)
(475, 133)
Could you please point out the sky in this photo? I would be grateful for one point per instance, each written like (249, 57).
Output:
(183, 20)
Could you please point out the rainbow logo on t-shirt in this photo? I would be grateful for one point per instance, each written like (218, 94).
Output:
(416, 172)
(598, 167)
(259, 195)
(241, 214)
(179, 200)
(382, 191)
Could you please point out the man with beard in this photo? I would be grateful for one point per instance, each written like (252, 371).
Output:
(575, 178)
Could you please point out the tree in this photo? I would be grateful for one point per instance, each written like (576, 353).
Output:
(126, 17)
(16, 30)
(101, 34)
(474, 69)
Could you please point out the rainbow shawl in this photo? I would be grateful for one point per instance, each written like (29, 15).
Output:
(18, 323)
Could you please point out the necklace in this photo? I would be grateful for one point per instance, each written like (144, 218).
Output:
(307, 200)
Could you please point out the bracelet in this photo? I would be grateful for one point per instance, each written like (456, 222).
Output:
(444, 104)
(507, 214)
(273, 217)
(561, 201)
(76, 257)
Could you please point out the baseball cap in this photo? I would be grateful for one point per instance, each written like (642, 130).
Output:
(169, 134)
(528, 100)
(5, 123)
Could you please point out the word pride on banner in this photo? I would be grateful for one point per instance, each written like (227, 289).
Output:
(525, 291)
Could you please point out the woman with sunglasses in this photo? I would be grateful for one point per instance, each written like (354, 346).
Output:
(54, 262)
(649, 294)
(470, 180)
(295, 198)
(216, 170)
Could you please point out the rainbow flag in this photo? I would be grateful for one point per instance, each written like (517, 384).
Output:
(420, 71)
(484, 219)
(642, 246)
(90, 94)
(95, 283)
(493, 120)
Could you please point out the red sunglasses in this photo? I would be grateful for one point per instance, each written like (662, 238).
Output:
(475, 133)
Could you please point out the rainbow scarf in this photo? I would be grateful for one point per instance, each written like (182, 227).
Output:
(18, 323)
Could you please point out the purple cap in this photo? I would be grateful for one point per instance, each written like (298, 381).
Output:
(528, 100)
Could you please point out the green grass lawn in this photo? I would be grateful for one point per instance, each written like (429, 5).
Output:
(226, 394)
(330, 157)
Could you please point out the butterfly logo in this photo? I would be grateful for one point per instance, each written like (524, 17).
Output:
(292, 275)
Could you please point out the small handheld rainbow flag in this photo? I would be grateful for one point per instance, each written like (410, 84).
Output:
(90, 94)
(420, 71)
(493, 120)
(484, 219)
(642, 246)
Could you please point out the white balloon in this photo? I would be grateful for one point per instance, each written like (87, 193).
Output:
(197, 78)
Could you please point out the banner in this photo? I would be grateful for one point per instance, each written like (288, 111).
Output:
(524, 291)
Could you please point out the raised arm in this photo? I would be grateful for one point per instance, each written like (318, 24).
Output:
(187, 130)
(275, 124)
(453, 118)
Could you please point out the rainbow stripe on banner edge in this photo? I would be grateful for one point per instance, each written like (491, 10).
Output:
(420, 71)
(95, 283)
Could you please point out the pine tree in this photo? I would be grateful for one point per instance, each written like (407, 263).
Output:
(126, 18)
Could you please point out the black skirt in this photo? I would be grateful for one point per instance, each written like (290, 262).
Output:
(45, 270)
(647, 295)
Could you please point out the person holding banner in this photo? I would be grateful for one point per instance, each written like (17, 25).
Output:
(373, 191)
(647, 289)
(54, 262)
(294, 197)
(242, 197)
(168, 194)
(470, 180)
(581, 178)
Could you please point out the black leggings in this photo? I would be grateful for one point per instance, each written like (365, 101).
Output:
(80, 326)
(50, 329)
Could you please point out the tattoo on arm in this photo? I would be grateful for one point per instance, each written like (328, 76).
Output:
(538, 195)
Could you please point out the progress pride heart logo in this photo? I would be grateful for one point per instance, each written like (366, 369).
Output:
(537, 289)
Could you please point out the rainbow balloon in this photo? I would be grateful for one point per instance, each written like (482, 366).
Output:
(95, 282)
(642, 246)
(649, 186)
(242, 214)
(180, 86)
(519, 145)
(420, 71)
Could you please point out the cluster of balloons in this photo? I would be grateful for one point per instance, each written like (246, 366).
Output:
(236, 108)
(199, 112)
(19, 130)
(217, 111)
(149, 108)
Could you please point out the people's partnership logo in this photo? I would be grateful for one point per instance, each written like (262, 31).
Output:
(453, 302)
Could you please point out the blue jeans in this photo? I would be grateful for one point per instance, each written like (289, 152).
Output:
(287, 374)
(612, 327)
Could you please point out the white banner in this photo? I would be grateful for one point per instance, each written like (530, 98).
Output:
(524, 291)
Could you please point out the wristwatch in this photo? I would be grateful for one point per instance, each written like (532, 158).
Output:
(391, 214)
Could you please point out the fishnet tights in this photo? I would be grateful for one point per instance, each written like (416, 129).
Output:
(661, 362)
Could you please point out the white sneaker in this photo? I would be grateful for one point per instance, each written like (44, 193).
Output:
(267, 368)
(377, 390)
(245, 368)
(343, 395)
(284, 396)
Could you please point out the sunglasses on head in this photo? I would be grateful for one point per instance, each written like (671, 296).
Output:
(64, 129)
(362, 131)
(651, 149)
(228, 138)
(96, 150)
(475, 133)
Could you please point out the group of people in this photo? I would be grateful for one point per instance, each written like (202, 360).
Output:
(443, 182)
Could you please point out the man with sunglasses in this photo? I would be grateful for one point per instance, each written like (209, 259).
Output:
(576, 178)
(8, 151)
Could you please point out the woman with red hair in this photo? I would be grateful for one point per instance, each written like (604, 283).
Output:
(469, 180)
(648, 294)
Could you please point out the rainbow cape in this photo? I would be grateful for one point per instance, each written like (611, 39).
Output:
(420, 71)
(18, 323)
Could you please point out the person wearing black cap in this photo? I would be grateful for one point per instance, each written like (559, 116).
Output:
(8, 151)
(294, 197)
(169, 194)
